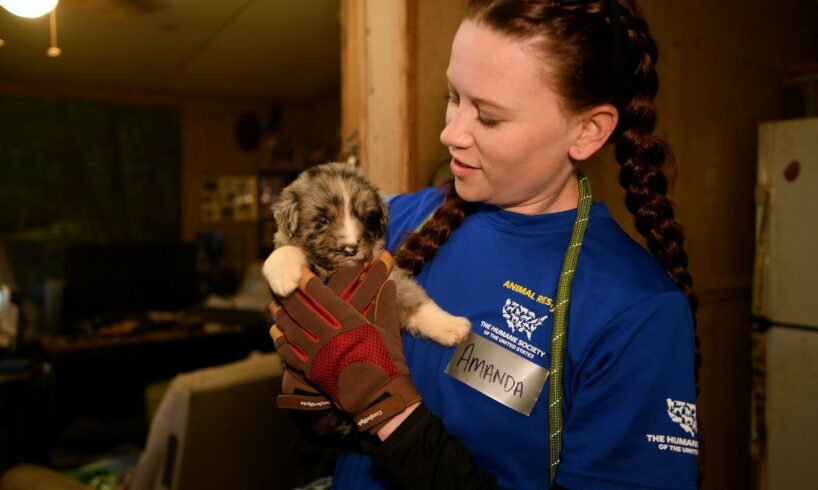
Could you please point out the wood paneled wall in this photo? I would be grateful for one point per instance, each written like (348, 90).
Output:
(210, 149)
(437, 23)
(310, 130)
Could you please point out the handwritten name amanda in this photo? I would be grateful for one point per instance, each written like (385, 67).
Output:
(488, 373)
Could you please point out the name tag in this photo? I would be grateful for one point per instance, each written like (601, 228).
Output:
(498, 373)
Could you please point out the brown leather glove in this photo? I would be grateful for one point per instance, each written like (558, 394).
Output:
(357, 361)
(296, 392)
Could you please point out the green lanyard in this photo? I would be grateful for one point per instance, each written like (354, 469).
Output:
(569, 265)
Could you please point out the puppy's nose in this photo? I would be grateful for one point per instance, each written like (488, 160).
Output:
(349, 250)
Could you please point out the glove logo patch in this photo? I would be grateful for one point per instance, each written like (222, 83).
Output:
(369, 418)
(310, 404)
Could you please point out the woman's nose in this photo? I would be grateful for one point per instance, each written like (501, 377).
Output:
(457, 132)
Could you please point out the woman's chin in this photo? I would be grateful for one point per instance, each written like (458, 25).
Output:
(468, 191)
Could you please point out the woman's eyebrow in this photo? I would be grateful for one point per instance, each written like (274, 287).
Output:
(488, 103)
(479, 101)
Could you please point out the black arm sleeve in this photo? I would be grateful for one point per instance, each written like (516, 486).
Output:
(332, 428)
(421, 453)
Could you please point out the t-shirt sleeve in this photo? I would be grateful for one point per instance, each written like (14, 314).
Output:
(631, 417)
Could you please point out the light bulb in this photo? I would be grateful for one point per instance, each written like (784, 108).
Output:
(29, 8)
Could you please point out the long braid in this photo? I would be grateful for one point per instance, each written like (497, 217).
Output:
(642, 157)
(419, 247)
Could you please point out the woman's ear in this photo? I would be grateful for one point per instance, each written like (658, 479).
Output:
(594, 128)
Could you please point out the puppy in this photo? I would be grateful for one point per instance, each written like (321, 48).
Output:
(331, 217)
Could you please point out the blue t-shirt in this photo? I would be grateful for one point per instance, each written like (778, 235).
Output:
(629, 405)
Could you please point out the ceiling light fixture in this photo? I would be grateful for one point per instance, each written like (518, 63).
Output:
(30, 9)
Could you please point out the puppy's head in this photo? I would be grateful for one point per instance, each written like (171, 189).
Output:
(333, 214)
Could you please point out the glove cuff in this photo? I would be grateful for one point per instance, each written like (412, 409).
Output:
(397, 394)
(298, 395)
(303, 402)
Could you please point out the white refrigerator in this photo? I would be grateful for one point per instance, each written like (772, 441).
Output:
(785, 307)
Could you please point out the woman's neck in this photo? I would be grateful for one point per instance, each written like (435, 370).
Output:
(560, 197)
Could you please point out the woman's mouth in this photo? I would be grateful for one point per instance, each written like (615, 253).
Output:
(461, 170)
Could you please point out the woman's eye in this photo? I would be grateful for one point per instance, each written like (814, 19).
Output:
(451, 98)
(489, 123)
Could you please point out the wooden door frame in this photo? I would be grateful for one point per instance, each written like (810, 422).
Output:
(378, 84)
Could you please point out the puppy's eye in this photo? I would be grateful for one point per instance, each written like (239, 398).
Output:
(372, 220)
(322, 220)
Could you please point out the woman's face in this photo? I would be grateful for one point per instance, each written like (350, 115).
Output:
(507, 135)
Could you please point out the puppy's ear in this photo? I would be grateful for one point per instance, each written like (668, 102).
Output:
(384, 222)
(285, 212)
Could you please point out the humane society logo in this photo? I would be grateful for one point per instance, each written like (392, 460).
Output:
(682, 414)
(521, 319)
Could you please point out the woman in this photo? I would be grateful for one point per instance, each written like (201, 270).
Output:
(534, 87)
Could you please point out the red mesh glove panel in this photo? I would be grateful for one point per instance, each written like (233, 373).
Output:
(358, 345)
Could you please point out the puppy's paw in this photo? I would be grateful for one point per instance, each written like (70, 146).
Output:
(432, 322)
(284, 280)
(284, 269)
(451, 331)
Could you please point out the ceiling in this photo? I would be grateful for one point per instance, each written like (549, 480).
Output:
(271, 49)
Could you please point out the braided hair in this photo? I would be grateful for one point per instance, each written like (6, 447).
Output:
(589, 72)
